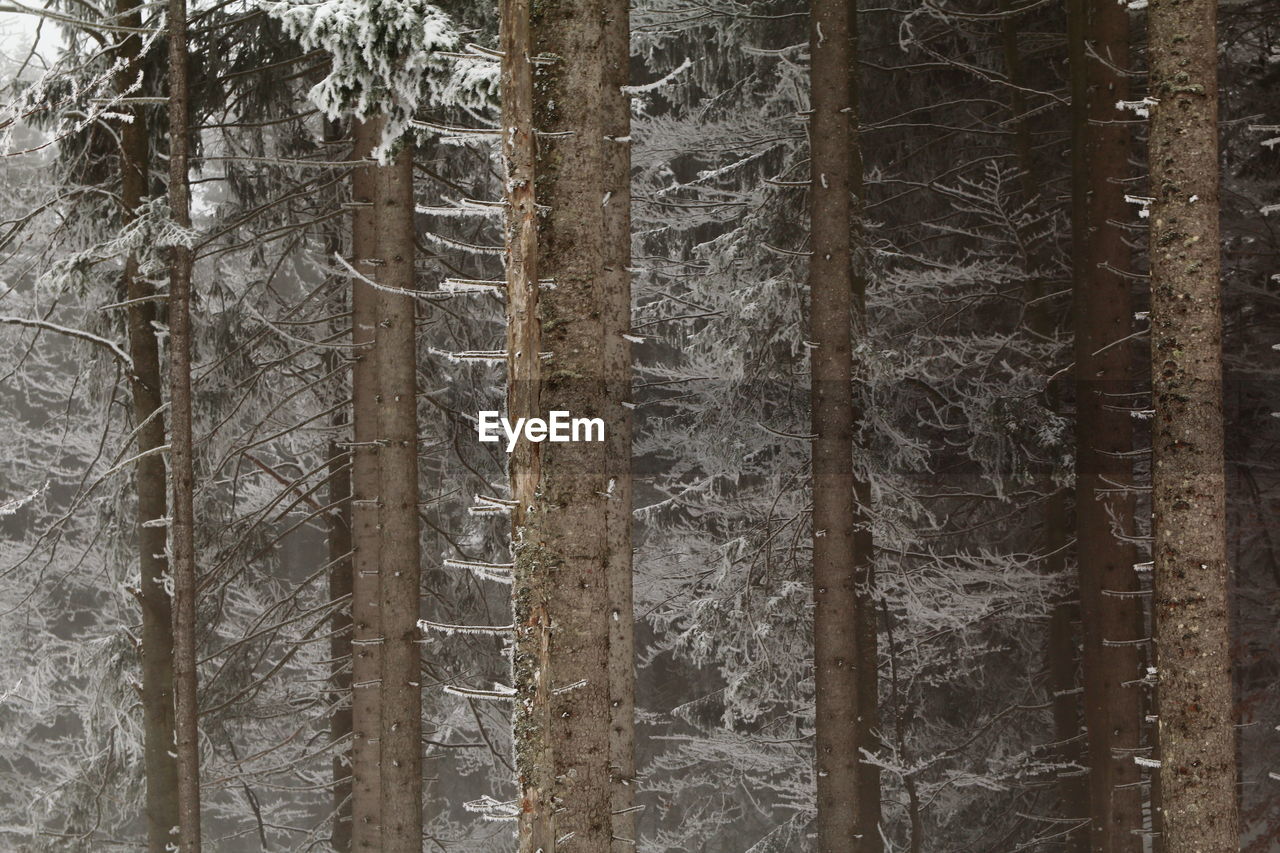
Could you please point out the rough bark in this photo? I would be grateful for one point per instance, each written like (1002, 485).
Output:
(338, 520)
(571, 521)
(617, 368)
(182, 529)
(366, 544)
(1110, 599)
(556, 356)
(150, 475)
(848, 797)
(531, 660)
(1197, 774)
(394, 339)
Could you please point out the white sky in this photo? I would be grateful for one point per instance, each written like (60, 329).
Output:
(17, 31)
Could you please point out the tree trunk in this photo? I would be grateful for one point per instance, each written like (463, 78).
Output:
(572, 518)
(1110, 599)
(531, 657)
(186, 703)
(366, 544)
(1196, 722)
(556, 362)
(617, 368)
(338, 520)
(844, 627)
(150, 475)
(394, 339)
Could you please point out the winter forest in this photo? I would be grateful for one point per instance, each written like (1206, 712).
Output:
(677, 426)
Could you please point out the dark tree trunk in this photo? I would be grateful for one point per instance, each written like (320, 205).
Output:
(186, 701)
(394, 339)
(150, 476)
(338, 520)
(617, 368)
(366, 543)
(1196, 722)
(1110, 600)
(844, 619)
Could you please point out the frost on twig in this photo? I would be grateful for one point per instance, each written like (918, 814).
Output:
(449, 629)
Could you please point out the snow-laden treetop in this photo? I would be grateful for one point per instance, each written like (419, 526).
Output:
(387, 58)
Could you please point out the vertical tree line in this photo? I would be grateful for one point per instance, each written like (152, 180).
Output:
(912, 526)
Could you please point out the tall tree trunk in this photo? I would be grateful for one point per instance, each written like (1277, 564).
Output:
(617, 368)
(186, 702)
(844, 624)
(150, 474)
(573, 508)
(1110, 599)
(556, 360)
(338, 520)
(1196, 721)
(531, 655)
(394, 339)
(366, 542)
(1061, 657)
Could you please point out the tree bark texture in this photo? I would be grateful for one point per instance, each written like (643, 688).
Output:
(531, 655)
(394, 339)
(616, 313)
(848, 798)
(1197, 775)
(182, 528)
(571, 525)
(557, 342)
(366, 544)
(151, 476)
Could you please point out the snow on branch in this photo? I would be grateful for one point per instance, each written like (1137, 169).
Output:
(114, 348)
(490, 809)
(497, 572)
(12, 506)
(390, 57)
(645, 88)
(449, 629)
(499, 692)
